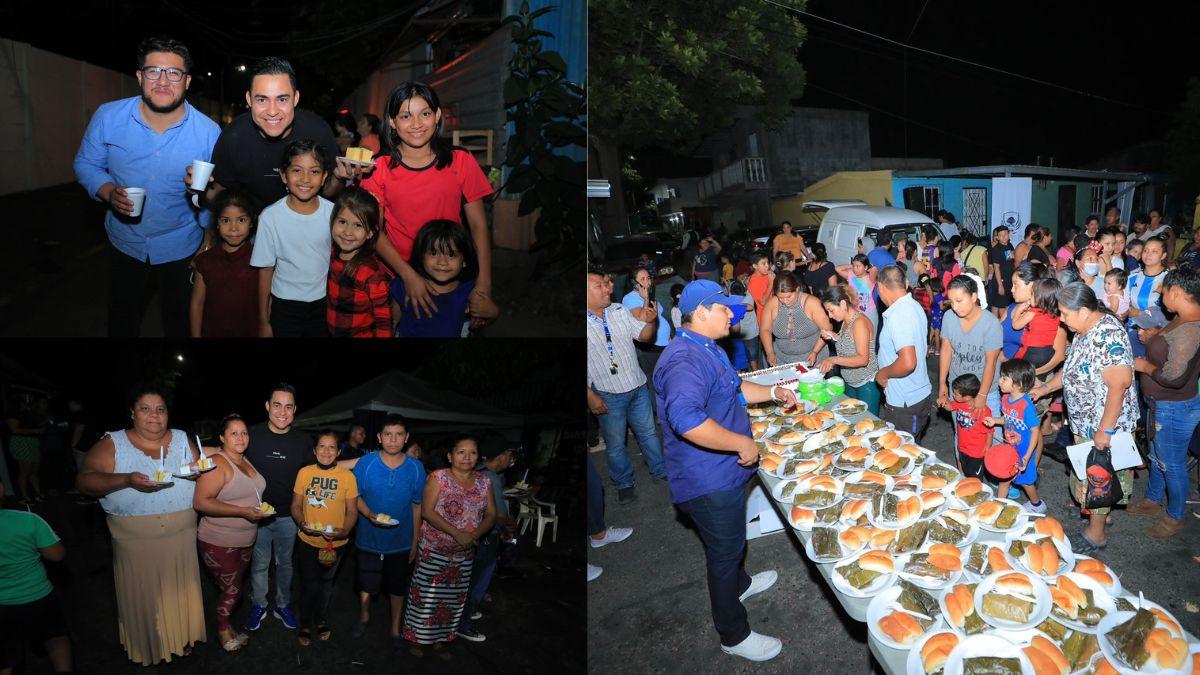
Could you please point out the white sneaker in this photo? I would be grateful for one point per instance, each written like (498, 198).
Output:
(1040, 508)
(756, 647)
(611, 536)
(600, 446)
(594, 571)
(759, 583)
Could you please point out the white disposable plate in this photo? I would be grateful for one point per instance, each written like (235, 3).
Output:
(927, 583)
(915, 665)
(846, 554)
(1149, 668)
(985, 645)
(806, 405)
(888, 525)
(355, 162)
(882, 605)
(328, 530)
(1021, 638)
(856, 477)
(805, 481)
(960, 504)
(839, 582)
(972, 535)
(179, 474)
(1066, 557)
(160, 483)
(785, 476)
(1041, 608)
(841, 407)
(1099, 594)
(865, 462)
(1018, 524)
(392, 523)
(968, 574)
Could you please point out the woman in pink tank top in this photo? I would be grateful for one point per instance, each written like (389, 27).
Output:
(229, 496)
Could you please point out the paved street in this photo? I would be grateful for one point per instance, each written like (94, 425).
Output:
(649, 611)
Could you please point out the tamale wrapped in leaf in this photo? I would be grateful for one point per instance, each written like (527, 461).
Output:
(915, 599)
(919, 564)
(1008, 516)
(991, 665)
(1017, 548)
(1124, 605)
(828, 516)
(909, 538)
(948, 530)
(1054, 629)
(1079, 648)
(856, 576)
(974, 625)
(825, 542)
(1006, 607)
(943, 471)
(813, 499)
(897, 468)
(789, 489)
(975, 499)
(977, 560)
(1129, 639)
(862, 490)
(1091, 615)
(887, 506)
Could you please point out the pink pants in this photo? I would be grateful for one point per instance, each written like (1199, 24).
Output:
(228, 567)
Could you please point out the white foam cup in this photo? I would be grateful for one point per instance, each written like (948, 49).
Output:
(201, 170)
(136, 195)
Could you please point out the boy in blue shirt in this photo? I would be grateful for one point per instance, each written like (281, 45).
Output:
(390, 483)
(1022, 428)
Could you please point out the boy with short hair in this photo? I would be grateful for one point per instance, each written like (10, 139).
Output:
(391, 483)
(1022, 428)
(972, 437)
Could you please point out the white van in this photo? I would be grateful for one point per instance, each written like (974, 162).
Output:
(844, 224)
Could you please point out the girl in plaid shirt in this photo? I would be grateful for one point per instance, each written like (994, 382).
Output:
(358, 288)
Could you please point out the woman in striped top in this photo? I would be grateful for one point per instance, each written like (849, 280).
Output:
(1144, 289)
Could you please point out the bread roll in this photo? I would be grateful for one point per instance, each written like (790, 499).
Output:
(877, 561)
(949, 563)
(932, 483)
(1050, 527)
(1169, 651)
(855, 509)
(900, 627)
(968, 486)
(881, 538)
(988, 512)
(803, 517)
(1073, 591)
(1049, 558)
(855, 453)
(932, 500)
(854, 538)
(908, 450)
(1048, 649)
(890, 440)
(1042, 663)
(945, 549)
(957, 516)
(1015, 584)
(997, 560)
(873, 477)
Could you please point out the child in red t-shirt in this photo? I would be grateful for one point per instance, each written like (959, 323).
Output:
(1038, 323)
(759, 283)
(973, 437)
(225, 286)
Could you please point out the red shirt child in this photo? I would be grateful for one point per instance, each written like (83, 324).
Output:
(359, 304)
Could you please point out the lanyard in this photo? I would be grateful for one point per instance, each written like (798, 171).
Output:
(721, 363)
(612, 360)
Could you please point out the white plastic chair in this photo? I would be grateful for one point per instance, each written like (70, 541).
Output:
(545, 514)
(526, 514)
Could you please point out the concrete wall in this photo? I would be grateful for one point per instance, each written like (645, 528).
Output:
(46, 102)
(951, 192)
(815, 143)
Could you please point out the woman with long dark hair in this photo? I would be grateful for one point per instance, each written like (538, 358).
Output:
(855, 346)
(792, 323)
(819, 274)
(420, 177)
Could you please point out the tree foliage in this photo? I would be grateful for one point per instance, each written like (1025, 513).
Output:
(667, 72)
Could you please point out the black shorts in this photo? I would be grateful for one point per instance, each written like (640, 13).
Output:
(383, 572)
(33, 622)
(972, 467)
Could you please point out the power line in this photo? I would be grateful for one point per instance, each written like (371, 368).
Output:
(1079, 92)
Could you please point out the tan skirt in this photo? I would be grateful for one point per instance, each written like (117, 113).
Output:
(159, 608)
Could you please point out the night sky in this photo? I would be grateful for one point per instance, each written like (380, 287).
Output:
(1140, 54)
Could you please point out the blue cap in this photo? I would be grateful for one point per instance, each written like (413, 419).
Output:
(705, 293)
(739, 312)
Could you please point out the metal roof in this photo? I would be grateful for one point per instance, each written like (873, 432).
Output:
(1023, 170)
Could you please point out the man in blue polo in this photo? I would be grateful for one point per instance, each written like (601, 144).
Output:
(147, 141)
(710, 455)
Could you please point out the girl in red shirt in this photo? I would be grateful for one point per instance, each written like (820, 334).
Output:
(1038, 322)
(225, 291)
(357, 290)
(419, 177)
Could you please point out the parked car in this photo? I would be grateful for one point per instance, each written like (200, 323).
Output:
(843, 226)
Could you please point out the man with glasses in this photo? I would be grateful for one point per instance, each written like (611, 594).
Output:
(617, 392)
(711, 455)
(146, 141)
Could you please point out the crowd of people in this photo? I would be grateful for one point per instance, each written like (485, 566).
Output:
(288, 238)
(1035, 350)
(269, 493)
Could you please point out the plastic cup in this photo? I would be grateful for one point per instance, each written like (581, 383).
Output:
(136, 195)
(822, 398)
(201, 170)
(836, 386)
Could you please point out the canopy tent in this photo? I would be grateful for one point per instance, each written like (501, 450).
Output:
(17, 376)
(429, 409)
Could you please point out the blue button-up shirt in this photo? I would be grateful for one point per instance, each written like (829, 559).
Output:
(120, 147)
(694, 382)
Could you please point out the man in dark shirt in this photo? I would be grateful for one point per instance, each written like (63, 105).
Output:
(1001, 258)
(278, 452)
(352, 447)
